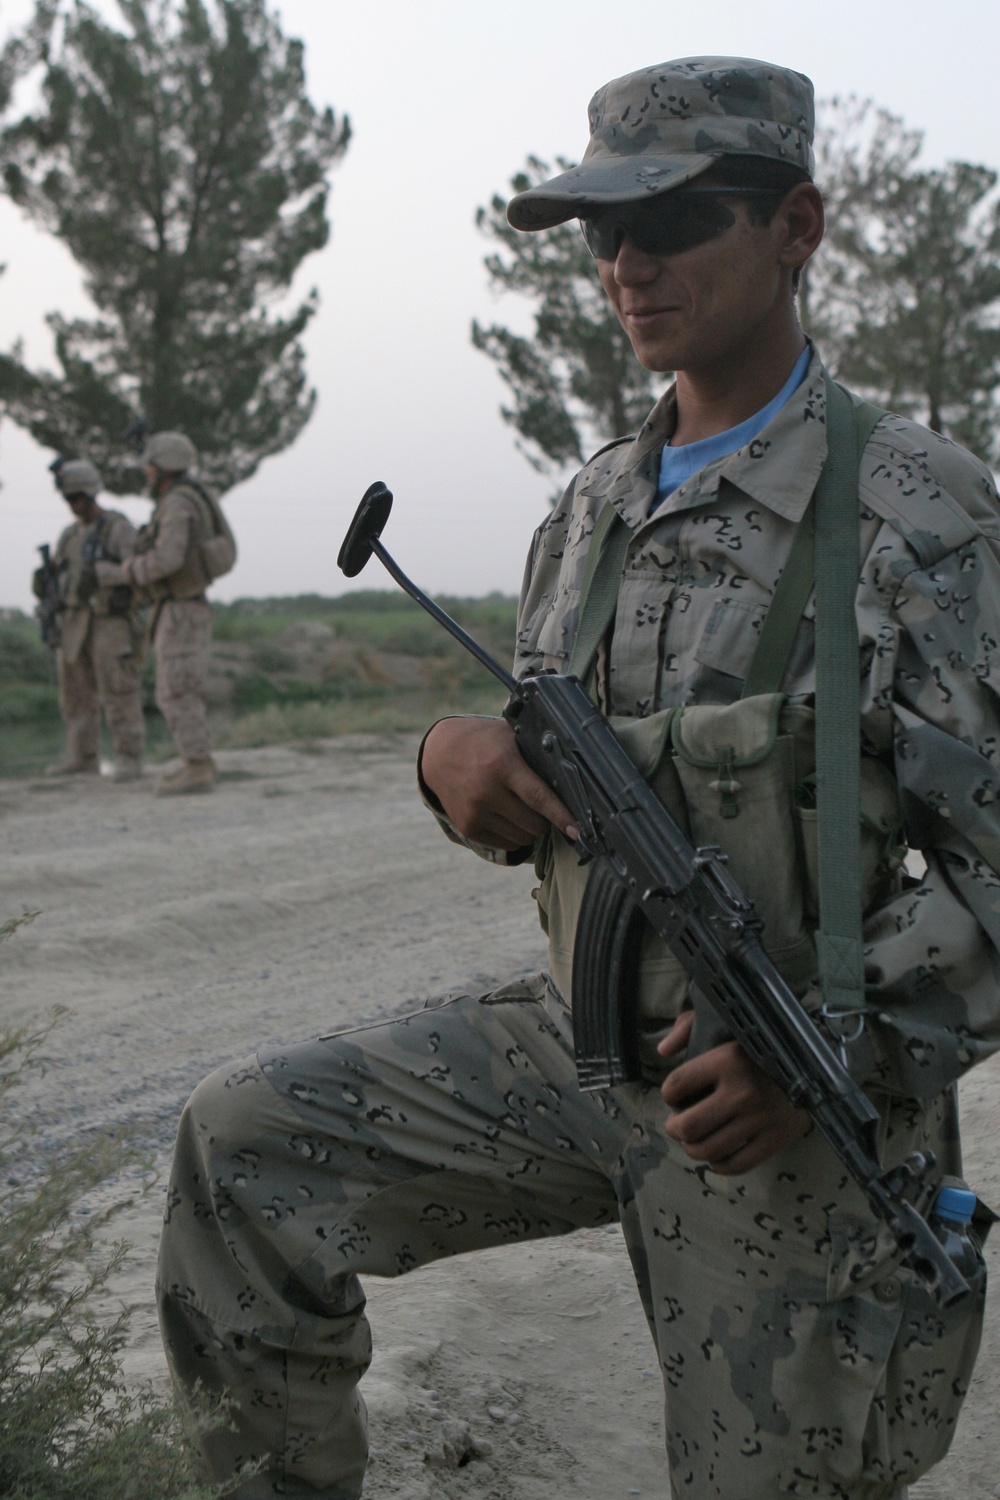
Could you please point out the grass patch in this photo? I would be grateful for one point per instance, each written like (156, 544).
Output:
(70, 1427)
(285, 670)
(383, 620)
(23, 658)
(280, 723)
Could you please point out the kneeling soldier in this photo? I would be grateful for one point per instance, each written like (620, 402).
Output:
(799, 1353)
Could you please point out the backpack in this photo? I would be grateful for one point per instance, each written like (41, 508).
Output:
(217, 552)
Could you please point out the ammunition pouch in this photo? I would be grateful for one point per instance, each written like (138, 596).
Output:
(741, 776)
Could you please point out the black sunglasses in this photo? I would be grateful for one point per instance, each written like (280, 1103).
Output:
(668, 223)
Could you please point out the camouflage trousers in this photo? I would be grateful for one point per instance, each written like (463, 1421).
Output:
(182, 636)
(797, 1358)
(103, 674)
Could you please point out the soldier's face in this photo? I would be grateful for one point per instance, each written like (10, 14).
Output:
(699, 308)
(84, 507)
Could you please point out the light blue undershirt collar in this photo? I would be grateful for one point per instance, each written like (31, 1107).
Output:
(678, 464)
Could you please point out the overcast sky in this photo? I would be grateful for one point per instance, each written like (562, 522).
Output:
(446, 98)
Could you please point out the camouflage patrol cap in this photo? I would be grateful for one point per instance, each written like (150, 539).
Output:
(77, 476)
(656, 129)
(170, 451)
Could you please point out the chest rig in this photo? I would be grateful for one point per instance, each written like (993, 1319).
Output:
(811, 827)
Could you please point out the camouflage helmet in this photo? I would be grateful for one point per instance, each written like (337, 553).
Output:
(656, 129)
(77, 476)
(170, 451)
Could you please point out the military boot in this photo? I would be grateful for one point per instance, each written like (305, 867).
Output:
(191, 776)
(127, 768)
(74, 765)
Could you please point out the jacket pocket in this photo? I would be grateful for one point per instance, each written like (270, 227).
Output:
(879, 1374)
(739, 774)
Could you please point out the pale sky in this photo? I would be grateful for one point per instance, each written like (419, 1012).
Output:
(446, 98)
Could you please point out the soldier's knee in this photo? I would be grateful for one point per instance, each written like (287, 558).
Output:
(225, 1111)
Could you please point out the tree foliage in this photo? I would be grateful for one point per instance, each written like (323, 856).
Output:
(904, 294)
(903, 299)
(575, 382)
(182, 164)
(23, 49)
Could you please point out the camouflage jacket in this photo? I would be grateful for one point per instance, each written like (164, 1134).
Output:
(697, 582)
(117, 537)
(81, 597)
(166, 542)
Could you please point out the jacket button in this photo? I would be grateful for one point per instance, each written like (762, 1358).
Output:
(889, 1290)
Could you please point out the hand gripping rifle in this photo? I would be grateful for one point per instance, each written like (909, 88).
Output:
(95, 550)
(646, 869)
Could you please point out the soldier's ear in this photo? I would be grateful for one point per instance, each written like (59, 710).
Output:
(802, 223)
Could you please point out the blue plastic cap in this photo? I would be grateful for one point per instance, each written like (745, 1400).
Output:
(958, 1204)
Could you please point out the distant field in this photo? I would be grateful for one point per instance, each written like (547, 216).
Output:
(296, 669)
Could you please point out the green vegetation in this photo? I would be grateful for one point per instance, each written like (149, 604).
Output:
(30, 728)
(70, 1428)
(902, 299)
(175, 153)
(296, 669)
(575, 382)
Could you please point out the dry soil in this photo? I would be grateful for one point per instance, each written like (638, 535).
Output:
(312, 890)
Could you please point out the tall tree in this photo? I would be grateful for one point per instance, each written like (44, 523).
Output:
(904, 293)
(575, 382)
(181, 162)
(863, 154)
(902, 298)
(23, 49)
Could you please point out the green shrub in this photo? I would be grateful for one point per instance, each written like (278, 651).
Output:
(70, 1428)
(385, 666)
(387, 712)
(28, 702)
(23, 658)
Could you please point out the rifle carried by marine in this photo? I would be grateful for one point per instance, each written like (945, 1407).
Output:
(50, 600)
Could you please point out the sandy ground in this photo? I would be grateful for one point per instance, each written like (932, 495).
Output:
(312, 891)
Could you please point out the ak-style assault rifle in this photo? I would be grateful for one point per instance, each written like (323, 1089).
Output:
(50, 599)
(645, 869)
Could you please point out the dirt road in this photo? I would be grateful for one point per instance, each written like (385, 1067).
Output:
(312, 891)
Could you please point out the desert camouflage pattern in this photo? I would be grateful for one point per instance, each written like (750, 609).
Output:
(698, 578)
(182, 637)
(103, 674)
(98, 659)
(166, 543)
(80, 594)
(798, 1357)
(658, 128)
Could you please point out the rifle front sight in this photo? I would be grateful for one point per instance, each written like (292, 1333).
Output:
(362, 540)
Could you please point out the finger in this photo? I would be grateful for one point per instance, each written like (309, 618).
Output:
(730, 1137)
(702, 1073)
(678, 1036)
(748, 1156)
(498, 832)
(506, 808)
(745, 1161)
(748, 1144)
(541, 801)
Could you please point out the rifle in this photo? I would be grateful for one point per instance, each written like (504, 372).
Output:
(645, 868)
(50, 602)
